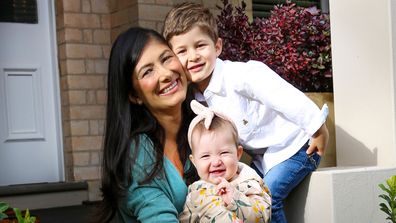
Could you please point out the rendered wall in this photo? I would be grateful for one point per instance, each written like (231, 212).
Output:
(339, 195)
(363, 51)
(363, 75)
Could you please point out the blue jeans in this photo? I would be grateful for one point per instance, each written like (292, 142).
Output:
(284, 177)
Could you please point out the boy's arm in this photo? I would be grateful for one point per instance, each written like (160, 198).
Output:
(262, 84)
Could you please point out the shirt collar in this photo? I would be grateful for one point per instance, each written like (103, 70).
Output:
(216, 81)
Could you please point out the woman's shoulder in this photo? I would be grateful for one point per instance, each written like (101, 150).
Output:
(142, 149)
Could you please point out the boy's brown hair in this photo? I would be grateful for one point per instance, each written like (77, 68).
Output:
(185, 16)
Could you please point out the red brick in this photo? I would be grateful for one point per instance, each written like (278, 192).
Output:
(72, 6)
(101, 97)
(85, 82)
(81, 20)
(73, 35)
(86, 173)
(101, 36)
(79, 128)
(75, 66)
(100, 6)
(86, 6)
(82, 51)
(86, 143)
(81, 159)
(87, 112)
(88, 37)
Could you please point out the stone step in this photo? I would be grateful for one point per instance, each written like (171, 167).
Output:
(44, 195)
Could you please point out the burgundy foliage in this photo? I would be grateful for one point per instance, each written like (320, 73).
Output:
(294, 42)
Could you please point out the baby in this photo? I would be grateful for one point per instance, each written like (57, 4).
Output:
(228, 191)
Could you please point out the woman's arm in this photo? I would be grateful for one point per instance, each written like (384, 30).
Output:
(151, 204)
(152, 201)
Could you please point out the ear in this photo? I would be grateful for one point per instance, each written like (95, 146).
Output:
(134, 100)
(192, 159)
(219, 46)
(239, 152)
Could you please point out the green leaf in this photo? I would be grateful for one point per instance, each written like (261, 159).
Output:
(3, 206)
(392, 182)
(385, 197)
(27, 216)
(384, 188)
(2, 216)
(389, 197)
(32, 219)
(18, 215)
(386, 210)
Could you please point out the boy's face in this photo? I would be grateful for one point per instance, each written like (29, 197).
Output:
(197, 52)
(215, 154)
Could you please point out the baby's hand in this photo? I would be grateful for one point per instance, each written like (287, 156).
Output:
(225, 190)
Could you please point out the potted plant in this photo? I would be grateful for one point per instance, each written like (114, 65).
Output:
(389, 208)
(14, 215)
(294, 41)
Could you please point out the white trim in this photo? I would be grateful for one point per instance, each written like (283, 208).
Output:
(57, 102)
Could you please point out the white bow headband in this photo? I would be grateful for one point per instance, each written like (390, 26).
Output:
(206, 114)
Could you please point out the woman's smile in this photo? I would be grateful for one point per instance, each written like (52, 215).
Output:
(170, 89)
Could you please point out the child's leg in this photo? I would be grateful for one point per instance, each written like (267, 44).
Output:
(284, 177)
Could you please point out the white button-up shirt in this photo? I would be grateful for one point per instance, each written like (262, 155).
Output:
(274, 119)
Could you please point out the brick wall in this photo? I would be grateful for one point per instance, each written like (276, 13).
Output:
(85, 31)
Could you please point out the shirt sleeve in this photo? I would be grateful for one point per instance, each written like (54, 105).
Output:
(260, 83)
(149, 202)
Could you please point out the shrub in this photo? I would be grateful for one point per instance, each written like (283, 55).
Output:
(390, 197)
(294, 42)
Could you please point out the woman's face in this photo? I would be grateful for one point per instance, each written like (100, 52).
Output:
(159, 79)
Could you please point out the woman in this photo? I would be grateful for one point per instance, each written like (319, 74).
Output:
(145, 156)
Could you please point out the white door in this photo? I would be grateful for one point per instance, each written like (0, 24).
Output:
(30, 133)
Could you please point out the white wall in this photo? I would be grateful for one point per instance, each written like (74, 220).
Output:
(364, 89)
(339, 195)
(363, 35)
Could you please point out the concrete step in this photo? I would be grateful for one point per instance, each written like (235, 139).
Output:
(44, 195)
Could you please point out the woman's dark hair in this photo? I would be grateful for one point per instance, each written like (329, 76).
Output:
(126, 120)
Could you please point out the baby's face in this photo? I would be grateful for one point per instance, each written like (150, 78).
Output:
(215, 154)
(197, 52)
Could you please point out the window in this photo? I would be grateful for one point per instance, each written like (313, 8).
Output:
(262, 8)
(18, 11)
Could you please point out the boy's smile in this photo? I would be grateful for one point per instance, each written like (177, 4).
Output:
(197, 52)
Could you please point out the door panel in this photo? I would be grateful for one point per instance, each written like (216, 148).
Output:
(30, 136)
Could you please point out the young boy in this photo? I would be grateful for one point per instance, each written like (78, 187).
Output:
(278, 125)
(229, 191)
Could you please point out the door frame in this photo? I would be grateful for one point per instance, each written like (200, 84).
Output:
(56, 84)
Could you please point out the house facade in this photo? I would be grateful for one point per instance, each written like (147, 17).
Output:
(80, 34)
